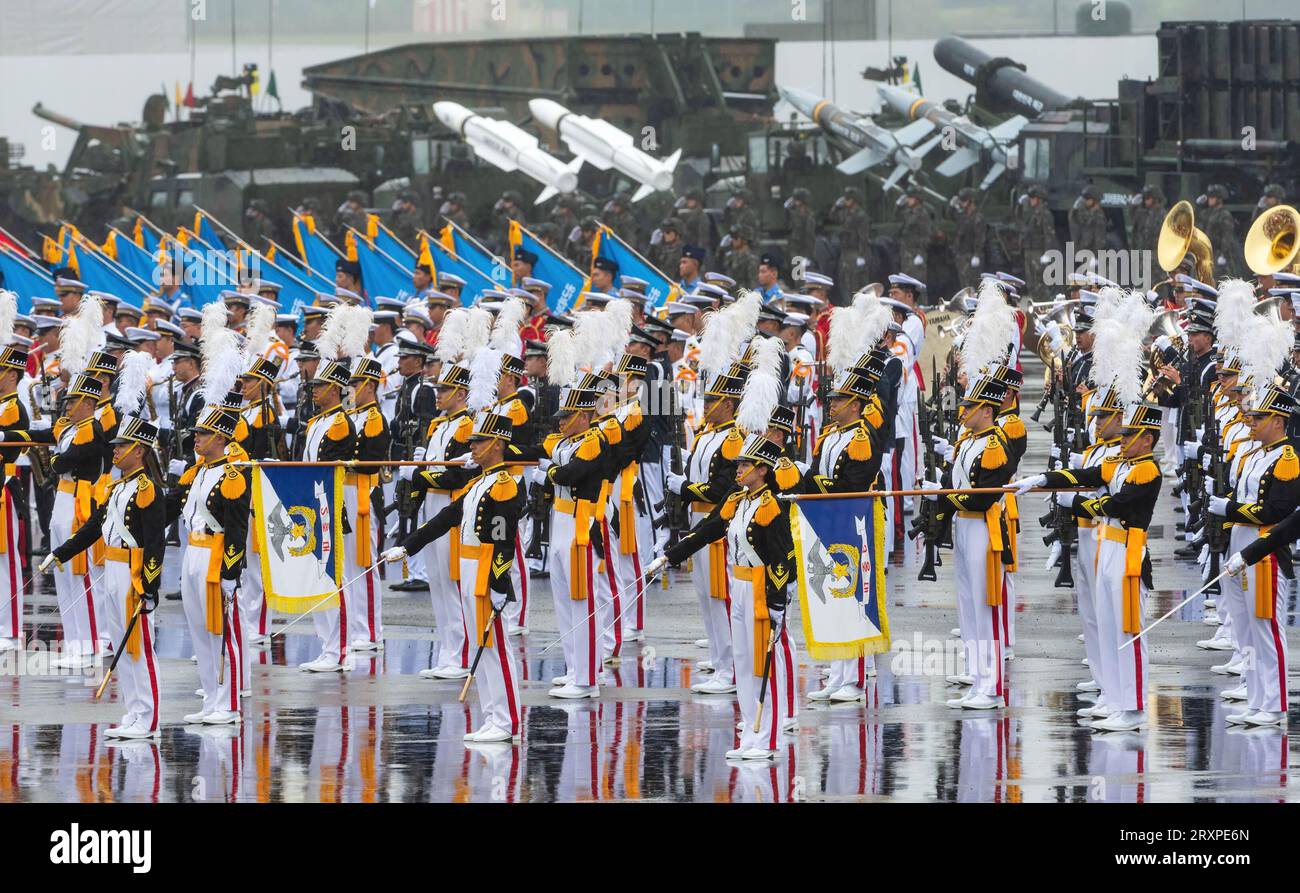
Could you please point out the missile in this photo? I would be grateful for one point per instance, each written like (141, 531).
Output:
(603, 145)
(866, 143)
(506, 146)
(972, 141)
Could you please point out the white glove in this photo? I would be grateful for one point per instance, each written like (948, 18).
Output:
(1024, 485)
(1205, 462)
(676, 482)
(406, 472)
(419, 454)
(1163, 343)
(1190, 448)
(397, 553)
(1064, 499)
(918, 260)
(974, 261)
(228, 587)
(1055, 452)
(1209, 487)
(498, 599)
(46, 562)
(1218, 505)
(1055, 339)
(931, 485)
(940, 443)
(543, 464)
(862, 262)
(176, 467)
(1076, 460)
(656, 566)
(1236, 564)
(1046, 258)
(1052, 556)
(469, 461)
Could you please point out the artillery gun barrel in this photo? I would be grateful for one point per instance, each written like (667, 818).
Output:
(1001, 84)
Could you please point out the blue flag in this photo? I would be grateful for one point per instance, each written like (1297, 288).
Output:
(101, 273)
(295, 290)
(384, 277)
(204, 229)
(135, 259)
(286, 262)
(470, 250)
(389, 244)
(23, 278)
(660, 290)
(298, 525)
(567, 281)
(441, 260)
(839, 548)
(314, 250)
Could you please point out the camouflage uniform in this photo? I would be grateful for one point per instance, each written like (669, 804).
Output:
(855, 254)
(406, 224)
(968, 243)
(1088, 228)
(914, 231)
(1145, 231)
(502, 214)
(744, 216)
(1221, 229)
(693, 225)
(666, 256)
(623, 223)
(803, 234)
(1037, 237)
(741, 264)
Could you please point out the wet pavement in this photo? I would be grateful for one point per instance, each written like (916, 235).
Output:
(380, 733)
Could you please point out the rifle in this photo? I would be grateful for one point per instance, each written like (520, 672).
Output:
(678, 520)
(1062, 524)
(1215, 536)
(928, 521)
(173, 443)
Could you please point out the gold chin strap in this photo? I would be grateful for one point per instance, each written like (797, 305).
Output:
(704, 420)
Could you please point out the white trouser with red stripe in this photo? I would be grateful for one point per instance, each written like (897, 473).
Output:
(1085, 585)
(981, 631)
(1235, 610)
(11, 575)
(1008, 609)
(444, 593)
(634, 619)
(609, 594)
(1129, 686)
(78, 608)
(364, 601)
(497, 677)
(516, 612)
(905, 429)
(716, 611)
(852, 671)
(577, 618)
(1266, 667)
(208, 645)
(252, 599)
(137, 676)
(749, 666)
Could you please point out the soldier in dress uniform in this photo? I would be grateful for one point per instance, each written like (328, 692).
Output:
(486, 515)
(257, 434)
(1266, 491)
(979, 539)
(213, 497)
(759, 550)
(15, 426)
(417, 406)
(372, 443)
(518, 403)
(710, 476)
(1128, 485)
(330, 436)
(131, 524)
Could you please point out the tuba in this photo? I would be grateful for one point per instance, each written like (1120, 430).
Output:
(1063, 315)
(1167, 324)
(1178, 237)
(1272, 244)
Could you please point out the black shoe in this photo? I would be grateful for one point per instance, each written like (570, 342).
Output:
(1180, 527)
(1191, 550)
(410, 586)
(173, 596)
(538, 575)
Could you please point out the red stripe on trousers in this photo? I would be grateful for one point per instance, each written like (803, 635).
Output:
(640, 589)
(464, 648)
(505, 675)
(90, 612)
(233, 656)
(343, 624)
(523, 583)
(997, 649)
(14, 582)
(370, 603)
(1277, 638)
(613, 587)
(591, 619)
(153, 675)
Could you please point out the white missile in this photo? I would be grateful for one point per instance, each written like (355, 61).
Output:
(506, 146)
(602, 144)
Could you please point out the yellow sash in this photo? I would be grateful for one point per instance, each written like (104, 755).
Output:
(134, 559)
(756, 575)
(482, 601)
(993, 560)
(364, 484)
(626, 513)
(578, 556)
(1013, 530)
(1265, 596)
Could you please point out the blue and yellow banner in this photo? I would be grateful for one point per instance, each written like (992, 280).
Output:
(314, 249)
(840, 543)
(298, 530)
(441, 259)
(660, 290)
(24, 278)
(567, 281)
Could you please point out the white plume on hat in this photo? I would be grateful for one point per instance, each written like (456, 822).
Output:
(991, 332)
(132, 380)
(856, 329)
(725, 331)
(561, 357)
(261, 323)
(484, 375)
(8, 313)
(451, 337)
(82, 333)
(1111, 302)
(505, 328)
(357, 321)
(1117, 351)
(477, 332)
(1270, 345)
(219, 351)
(762, 389)
(1235, 322)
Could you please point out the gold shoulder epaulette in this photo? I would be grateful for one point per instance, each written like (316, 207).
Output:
(233, 483)
(767, 509)
(374, 422)
(338, 429)
(859, 448)
(728, 510)
(994, 455)
(1144, 472)
(503, 488)
(1287, 466)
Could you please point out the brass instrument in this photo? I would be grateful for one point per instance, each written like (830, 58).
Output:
(1166, 324)
(42, 464)
(1272, 245)
(1271, 307)
(1063, 315)
(1178, 237)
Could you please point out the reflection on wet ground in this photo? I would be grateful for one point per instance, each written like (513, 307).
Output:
(380, 733)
